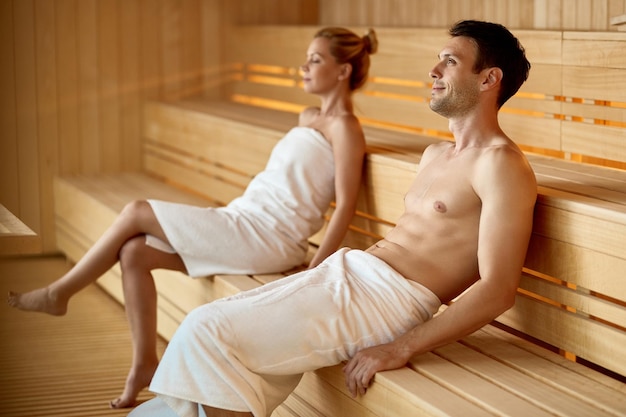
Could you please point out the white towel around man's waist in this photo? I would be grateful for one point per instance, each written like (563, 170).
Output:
(248, 352)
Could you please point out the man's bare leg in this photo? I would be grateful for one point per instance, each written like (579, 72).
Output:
(137, 218)
(137, 260)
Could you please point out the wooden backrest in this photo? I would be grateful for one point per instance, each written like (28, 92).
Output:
(212, 156)
(573, 292)
(572, 106)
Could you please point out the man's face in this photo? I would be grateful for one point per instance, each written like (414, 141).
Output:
(456, 87)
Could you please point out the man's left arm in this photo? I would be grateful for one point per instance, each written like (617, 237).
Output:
(504, 231)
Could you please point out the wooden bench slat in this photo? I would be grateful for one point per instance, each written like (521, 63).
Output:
(581, 266)
(603, 345)
(296, 407)
(601, 235)
(559, 377)
(599, 50)
(473, 388)
(599, 380)
(532, 131)
(533, 391)
(584, 303)
(400, 392)
(594, 83)
(594, 140)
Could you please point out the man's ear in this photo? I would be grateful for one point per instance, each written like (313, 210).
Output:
(492, 77)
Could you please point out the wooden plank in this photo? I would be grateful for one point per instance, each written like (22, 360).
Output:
(594, 49)
(589, 269)
(67, 86)
(149, 61)
(595, 140)
(227, 285)
(212, 33)
(584, 304)
(78, 347)
(595, 113)
(532, 131)
(110, 149)
(164, 123)
(130, 100)
(9, 185)
(579, 221)
(47, 116)
(397, 393)
(171, 45)
(88, 80)
(532, 391)
(492, 397)
(190, 54)
(599, 380)
(594, 83)
(595, 182)
(295, 406)
(198, 182)
(15, 237)
(602, 345)
(26, 108)
(568, 381)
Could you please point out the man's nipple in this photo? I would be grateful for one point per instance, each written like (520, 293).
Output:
(440, 207)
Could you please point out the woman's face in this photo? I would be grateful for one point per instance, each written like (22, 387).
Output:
(321, 72)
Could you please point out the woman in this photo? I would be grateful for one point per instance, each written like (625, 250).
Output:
(263, 231)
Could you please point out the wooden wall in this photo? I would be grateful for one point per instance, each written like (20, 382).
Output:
(72, 79)
(515, 14)
(75, 72)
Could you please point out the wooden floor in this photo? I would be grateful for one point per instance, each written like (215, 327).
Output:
(68, 366)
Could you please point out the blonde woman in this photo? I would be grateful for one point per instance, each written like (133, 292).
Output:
(263, 231)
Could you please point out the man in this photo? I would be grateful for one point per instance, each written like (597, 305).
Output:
(467, 222)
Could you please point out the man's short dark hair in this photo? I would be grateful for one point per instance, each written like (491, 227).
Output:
(497, 47)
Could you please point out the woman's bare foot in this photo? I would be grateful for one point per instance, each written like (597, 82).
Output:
(137, 380)
(41, 300)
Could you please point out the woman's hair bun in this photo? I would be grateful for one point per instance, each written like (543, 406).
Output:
(370, 42)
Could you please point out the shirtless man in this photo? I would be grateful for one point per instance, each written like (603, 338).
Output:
(467, 222)
(470, 208)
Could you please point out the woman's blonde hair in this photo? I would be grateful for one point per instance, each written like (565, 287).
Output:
(349, 48)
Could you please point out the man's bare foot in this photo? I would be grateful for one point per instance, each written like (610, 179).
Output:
(137, 380)
(40, 300)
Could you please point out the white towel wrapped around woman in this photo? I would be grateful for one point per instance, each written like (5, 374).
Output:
(248, 352)
(266, 229)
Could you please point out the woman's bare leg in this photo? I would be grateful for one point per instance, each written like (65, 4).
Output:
(137, 260)
(137, 218)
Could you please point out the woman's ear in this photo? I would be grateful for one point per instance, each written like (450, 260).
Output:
(345, 71)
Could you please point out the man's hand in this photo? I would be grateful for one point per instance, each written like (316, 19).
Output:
(360, 370)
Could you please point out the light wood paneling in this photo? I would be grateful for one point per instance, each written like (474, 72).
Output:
(517, 14)
(73, 78)
(572, 105)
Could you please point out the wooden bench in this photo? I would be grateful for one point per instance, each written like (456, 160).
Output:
(571, 305)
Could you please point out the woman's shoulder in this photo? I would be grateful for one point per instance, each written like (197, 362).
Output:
(307, 115)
